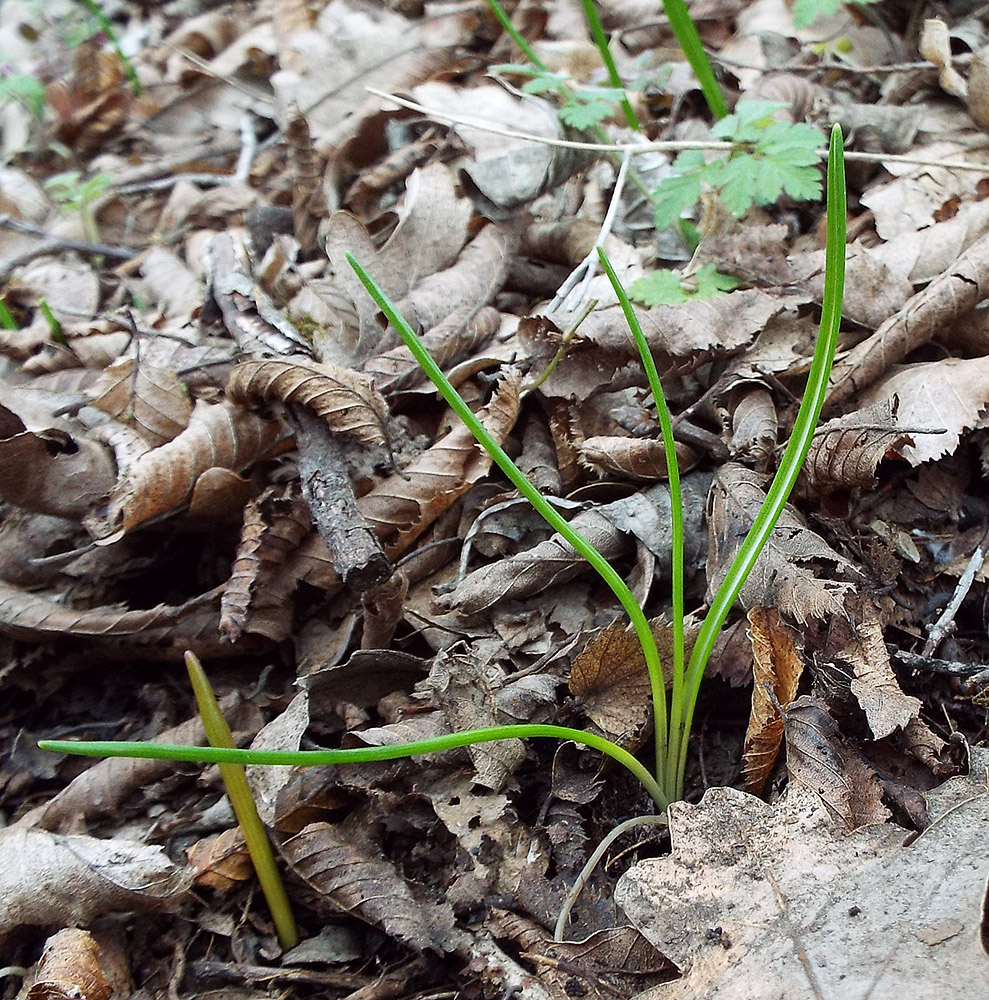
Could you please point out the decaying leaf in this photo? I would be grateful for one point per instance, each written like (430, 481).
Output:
(47, 880)
(346, 400)
(632, 458)
(798, 908)
(71, 966)
(780, 578)
(776, 665)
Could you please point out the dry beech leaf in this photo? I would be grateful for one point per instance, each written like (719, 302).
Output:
(951, 394)
(460, 335)
(221, 862)
(632, 458)
(152, 400)
(345, 399)
(52, 472)
(275, 525)
(776, 663)
(30, 616)
(795, 896)
(342, 863)
(222, 435)
(402, 507)
(817, 756)
(171, 284)
(609, 677)
(847, 450)
(779, 578)
(49, 880)
(754, 425)
(70, 968)
(472, 281)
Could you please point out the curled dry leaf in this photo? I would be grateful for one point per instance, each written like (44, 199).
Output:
(779, 578)
(846, 451)
(152, 400)
(776, 663)
(224, 435)
(221, 862)
(345, 399)
(632, 458)
(48, 880)
(70, 966)
(754, 425)
(342, 863)
(52, 472)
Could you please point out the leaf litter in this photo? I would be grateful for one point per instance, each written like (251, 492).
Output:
(211, 442)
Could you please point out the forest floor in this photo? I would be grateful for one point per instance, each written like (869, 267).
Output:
(211, 441)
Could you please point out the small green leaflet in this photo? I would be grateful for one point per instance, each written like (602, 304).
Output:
(664, 288)
(782, 158)
(808, 11)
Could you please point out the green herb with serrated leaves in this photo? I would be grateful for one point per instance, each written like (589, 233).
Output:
(667, 288)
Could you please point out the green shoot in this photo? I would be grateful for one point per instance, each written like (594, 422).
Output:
(27, 90)
(601, 41)
(689, 41)
(7, 321)
(667, 288)
(673, 723)
(73, 193)
(54, 326)
(239, 792)
(107, 28)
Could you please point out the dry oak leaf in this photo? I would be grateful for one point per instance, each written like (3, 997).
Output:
(222, 435)
(50, 880)
(809, 911)
(345, 399)
(776, 663)
(951, 394)
(779, 578)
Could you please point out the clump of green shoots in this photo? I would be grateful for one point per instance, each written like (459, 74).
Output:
(672, 721)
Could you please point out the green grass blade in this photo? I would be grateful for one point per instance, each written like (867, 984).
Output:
(239, 792)
(524, 47)
(360, 755)
(549, 514)
(601, 41)
(668, 761)
(794, 455)
(690, 41)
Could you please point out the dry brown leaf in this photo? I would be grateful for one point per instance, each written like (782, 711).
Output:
(343, 864)
(51, 471)
(951, 394)
(275, 524)
(776, 662)
(172, 285)
(70, 967)
(48, 880)
(632, 458)
(404, 505)
(224, 435)
(610, 679)
(221, 862)
(346, 400)
(779, 578)
(471, 282)
(817, 756)
(152, 400)
(754, 425)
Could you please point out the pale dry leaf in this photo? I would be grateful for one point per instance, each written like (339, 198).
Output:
(887, 708)
(632, 458)
(150, 399)
(71, 290)
(951, 394)
(222, 435)
(171, 284)
(49, 880)
(221, 862)
(797, 898)
(343, 864)
(754, 425)
(348, 401)
(776, 663)
(978, 87)
(779, 578)
(935, 47)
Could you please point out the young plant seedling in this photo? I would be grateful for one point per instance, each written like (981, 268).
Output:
(672, 723)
